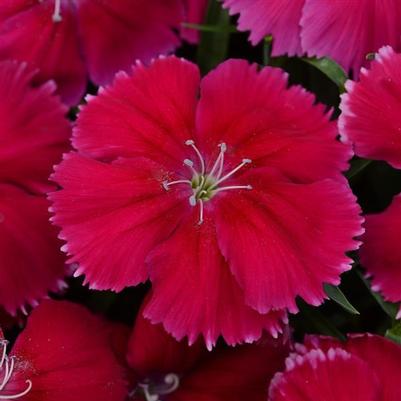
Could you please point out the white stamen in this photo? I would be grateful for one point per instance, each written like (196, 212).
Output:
(219, 163)
(220, 180)
(191, 143)
(166, 184)
(233, 187)
(172, 381)
(7, 366)
(190, 164)
(192, 200)
(57, 11)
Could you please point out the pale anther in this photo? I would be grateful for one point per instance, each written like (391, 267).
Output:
(57, 11)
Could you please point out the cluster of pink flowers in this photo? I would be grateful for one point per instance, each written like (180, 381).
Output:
(225, 192)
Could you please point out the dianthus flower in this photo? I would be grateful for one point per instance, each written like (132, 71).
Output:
(165, 369)
(371, 121)
(322, 28)
(231, 201)
(33, 135)
(63, 354)
(70, 41)
(365, 368)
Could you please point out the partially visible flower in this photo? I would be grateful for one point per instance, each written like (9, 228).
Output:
(279, 18)
(63, 354)
(70, 41)
(33, 135)
(231, 208)
(172, 371)
(371, 121)
(323, 28)
(365, 368)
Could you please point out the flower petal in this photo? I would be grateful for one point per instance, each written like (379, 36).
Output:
(273, 125)
(382, 356)
(148, 114)
(20, 23)
(64, 351)
(346, 36)
(195, 293)
(284, 240)
(236, 374)
(151, 350)
(380, 252)
(115, 34)
(112, 215)
(370, 116)
(332, 375)
(279, 18)
(31, 263)
(33, 130)
(195, 12)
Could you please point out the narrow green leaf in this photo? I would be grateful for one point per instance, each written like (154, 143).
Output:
(389, 308)
(210, 28)
(213, 46)
(331, 69)
(395, 333)
(357, 166)
(267, 47)
(336, 295)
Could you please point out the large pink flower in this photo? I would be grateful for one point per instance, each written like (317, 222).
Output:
(232, 208)
(173, 371)
(365, 368)
(323, 28)
(70, 40)
(63, 354)
(371, 121)
(33, 135)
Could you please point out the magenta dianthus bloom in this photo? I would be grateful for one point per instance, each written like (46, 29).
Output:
(365, 368)
(231, 199)
(371, 121)
(33, 135)
(74, 40)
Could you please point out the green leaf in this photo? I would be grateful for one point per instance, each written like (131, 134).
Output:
(336, 295)
(210, 28)
(267, 47)
(395, 333)
(331, 69)
(318, 322)
(213, 46)
(389, 308)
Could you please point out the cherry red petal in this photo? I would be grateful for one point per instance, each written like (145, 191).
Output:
(346, 35)
(370, 116)
(116, 33)
(382, 356)
(234, 374)
(148, 114)
(64, 351)
(111, 216)
(31, 263)
(28, 33)
(152, 351)
(283, 240)
(194, 292)
(272, 125)
(33, 130)
(279, 18)
(380, 252)
(326, 376)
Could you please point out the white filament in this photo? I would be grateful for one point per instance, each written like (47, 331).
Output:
(191, 143)
(7, 368)
(57, 11)
(172, 381)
